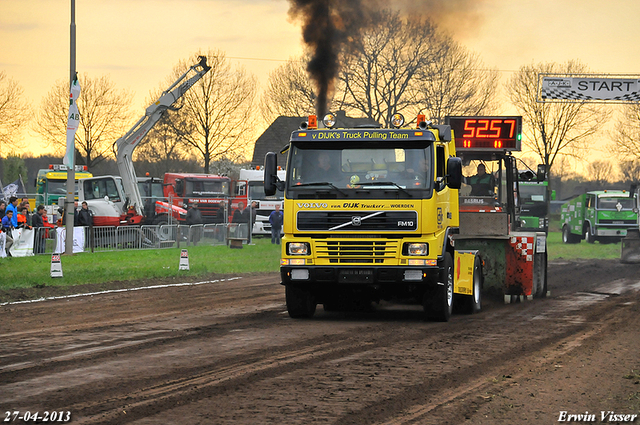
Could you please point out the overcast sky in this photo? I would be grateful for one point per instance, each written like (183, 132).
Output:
(137, 42)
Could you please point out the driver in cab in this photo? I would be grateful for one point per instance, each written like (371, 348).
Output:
(482, 183)
(323, 170)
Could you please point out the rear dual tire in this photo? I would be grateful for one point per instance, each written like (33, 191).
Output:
(568, 237)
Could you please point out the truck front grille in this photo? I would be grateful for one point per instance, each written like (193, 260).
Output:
(622, 222)
(367, 252)
(349, 221)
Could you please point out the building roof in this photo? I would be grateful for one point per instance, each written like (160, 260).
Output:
(278, 134)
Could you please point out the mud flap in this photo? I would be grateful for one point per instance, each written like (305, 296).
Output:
(463, 269)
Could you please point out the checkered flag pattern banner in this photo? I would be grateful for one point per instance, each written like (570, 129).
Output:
(559, 94)
(588, 88)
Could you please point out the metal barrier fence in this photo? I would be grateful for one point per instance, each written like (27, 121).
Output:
(115, 238)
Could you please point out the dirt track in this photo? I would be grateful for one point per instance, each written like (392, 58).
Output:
(226, 352)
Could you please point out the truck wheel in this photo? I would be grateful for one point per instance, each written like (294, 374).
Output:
(300, 302)
(568, 237)
(473, 303)
(542, 288)
(438, 303)
(588, 236)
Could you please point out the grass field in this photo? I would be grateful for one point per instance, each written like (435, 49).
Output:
(583, 250)
(101, 267)
(262, 257)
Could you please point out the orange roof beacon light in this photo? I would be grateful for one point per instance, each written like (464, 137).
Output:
(421, 118)
(313, 122)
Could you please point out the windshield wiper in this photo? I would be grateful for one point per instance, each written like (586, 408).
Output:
(388, 184)
(321, 184)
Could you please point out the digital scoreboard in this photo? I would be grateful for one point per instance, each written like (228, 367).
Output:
(487, 133)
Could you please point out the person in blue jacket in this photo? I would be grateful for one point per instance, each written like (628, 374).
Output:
(275, 218)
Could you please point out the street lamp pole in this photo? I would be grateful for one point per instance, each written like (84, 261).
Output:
(71, 172)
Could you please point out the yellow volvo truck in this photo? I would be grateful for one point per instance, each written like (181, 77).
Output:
(369, 215)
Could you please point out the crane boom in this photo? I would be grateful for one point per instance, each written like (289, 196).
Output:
(127, 143)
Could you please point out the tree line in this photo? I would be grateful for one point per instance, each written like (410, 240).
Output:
(399, 64)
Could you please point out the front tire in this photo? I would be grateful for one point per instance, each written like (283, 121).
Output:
(567, 236)
(438, 303)
(301, 303)
(588, 236)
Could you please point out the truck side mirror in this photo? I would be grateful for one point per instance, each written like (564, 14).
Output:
(179, 187)
(270, 173)
(454, 172)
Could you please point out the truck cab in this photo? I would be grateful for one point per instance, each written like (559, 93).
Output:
(209, 191)
(534, 199)
(51, 184)
(604, 216)
(254, 189)
(368, 215)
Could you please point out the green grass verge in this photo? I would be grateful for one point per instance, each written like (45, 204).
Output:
(557, 250)
(262, 257)
(102, 267)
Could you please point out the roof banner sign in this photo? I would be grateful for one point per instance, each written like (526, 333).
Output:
(557, 88)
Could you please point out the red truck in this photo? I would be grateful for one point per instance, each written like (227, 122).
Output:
(209, 191)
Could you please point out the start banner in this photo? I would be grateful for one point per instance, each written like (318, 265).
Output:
(599, 89)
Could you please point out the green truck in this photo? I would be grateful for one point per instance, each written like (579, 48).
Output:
(603, 216)
(534, 201)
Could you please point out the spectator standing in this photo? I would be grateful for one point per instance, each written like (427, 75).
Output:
(3, 207)
(13, 206)
(7, 228)
(241, 216)
(25, 204)
(194, 217)
(83, 216)
(38, 225)
(275, 219)
(23, 218)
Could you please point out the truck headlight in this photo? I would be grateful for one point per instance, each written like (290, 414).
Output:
(298, 248)
(416, 248)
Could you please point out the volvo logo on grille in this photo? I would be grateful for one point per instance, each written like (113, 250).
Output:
(356, 221)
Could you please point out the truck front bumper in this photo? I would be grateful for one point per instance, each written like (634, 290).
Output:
(358, 275)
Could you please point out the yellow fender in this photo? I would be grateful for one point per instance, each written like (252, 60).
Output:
(463, 269)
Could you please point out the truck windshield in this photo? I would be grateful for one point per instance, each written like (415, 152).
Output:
(612, 203)
(256, 192)
(207, 188)
(374, 170)
(533, 192)
(150, 189)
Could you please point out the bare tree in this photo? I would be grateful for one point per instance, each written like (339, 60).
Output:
(630, 170)
(551, 129)
(289, 91)
(381, 69)
(457, 84)
(626, 137)
(13, 111)
(162, 147)
(104, 117)
(217, 110)
(600, 172)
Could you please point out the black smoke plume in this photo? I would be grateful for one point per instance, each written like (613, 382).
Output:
(331, 26)
(327, 27)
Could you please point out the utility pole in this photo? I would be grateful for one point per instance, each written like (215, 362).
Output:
(71, 172)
